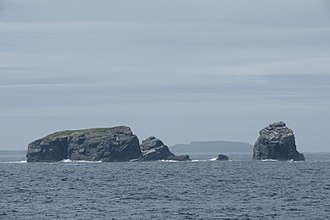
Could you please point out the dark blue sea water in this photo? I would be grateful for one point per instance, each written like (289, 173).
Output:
(200, 189)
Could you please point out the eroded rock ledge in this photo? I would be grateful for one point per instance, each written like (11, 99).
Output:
(154, 149)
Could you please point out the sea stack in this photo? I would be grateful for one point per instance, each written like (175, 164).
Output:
(277, 142)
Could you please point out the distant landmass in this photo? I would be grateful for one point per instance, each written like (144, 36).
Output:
(213, 146)
(12, 155)
(12, 152)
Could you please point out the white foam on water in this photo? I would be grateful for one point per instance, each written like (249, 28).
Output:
(79, 161)
(21, 161)
(198, 161)
(209, 160)
(169, 161)
(269, 160)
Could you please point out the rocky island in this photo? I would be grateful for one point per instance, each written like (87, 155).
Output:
(98, 144)
(276, 141)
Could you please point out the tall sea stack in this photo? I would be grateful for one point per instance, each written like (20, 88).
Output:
(276, 141)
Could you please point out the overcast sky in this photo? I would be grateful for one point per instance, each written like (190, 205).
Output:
(180, 70)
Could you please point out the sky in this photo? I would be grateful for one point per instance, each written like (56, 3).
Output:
(182, 71)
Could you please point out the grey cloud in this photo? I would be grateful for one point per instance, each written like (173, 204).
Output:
(218, 69)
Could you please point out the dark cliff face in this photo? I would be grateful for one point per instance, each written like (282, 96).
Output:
(276, 141)
(46, 150)
(100, 144)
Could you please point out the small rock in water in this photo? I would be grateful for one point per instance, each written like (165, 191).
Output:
(222, 157)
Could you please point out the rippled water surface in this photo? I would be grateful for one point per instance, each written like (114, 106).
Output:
(202, 189)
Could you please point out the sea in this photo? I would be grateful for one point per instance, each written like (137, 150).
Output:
(199, 189)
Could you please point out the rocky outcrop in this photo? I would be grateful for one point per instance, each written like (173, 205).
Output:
(99, 144)
(222, 157)
(154, 149)
(277, 142)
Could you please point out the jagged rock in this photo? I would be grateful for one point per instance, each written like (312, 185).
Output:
(98, 144)
(222, 157)
(154, 149)
(276, 141)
